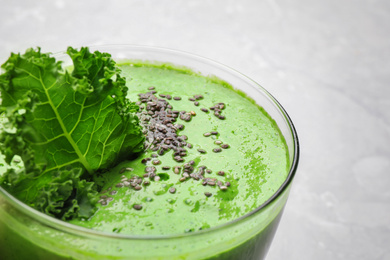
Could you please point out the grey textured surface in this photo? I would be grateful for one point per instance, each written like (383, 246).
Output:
(327, 62)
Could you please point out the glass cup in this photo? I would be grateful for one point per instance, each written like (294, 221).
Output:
(28, 234)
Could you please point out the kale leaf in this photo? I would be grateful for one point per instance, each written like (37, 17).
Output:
(65, 126)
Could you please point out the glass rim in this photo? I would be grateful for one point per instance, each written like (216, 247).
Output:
(71, 228)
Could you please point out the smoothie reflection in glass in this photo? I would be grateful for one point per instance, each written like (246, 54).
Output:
(219, 155)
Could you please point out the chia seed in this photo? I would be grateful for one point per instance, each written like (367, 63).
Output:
(137, 206)
(156, 162)
(217, 150)
(221, 173)
(176, 170)
(119, 185)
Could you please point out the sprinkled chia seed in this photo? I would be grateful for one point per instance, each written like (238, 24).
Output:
(201, 151)
(206, 134)
(176, 170)
(218, 142)
(169, 97)
(110, 199)
(151, 88)
(113, 192)
(208, 194)
(150, 169)
(177, 98)
(137, 187)
(191, 99)
(221, 117)
(154, 155)
(192, 162)
(166, 167)
(209, 171)
(156, 162)
(196, 103)
(211, 183)
(221, 173)
(126, 183)
(227, 184)
(214, 132)
(182, 179)
(223, 188)
(225, 146)
(178, 159)
(157, 178)
(137, 206)
(217, 150)
(204, 109)
(119, 185)
(172, 190)
(146, 183)
(193, 113)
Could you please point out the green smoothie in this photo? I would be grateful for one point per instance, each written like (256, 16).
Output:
(211, 156)
(254, 161)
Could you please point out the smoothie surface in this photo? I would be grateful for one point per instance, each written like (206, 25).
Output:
(243, 157)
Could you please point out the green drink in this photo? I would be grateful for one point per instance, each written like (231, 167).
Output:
(215, 189)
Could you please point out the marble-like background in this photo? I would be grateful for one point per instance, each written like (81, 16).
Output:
(327, 62)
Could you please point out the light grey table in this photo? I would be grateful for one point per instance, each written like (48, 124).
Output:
(327, 62)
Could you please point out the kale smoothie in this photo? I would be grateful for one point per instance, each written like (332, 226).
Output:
(194, 156)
